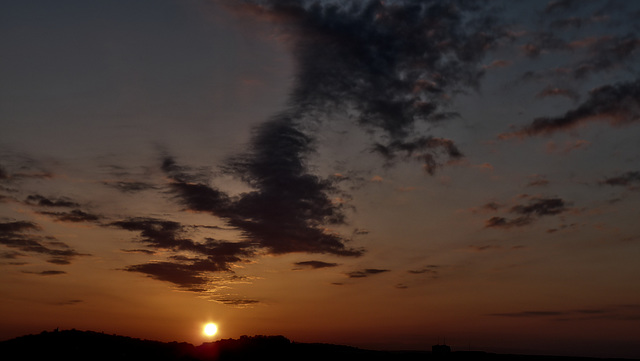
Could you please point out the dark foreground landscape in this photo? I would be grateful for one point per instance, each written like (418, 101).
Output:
(88, 345)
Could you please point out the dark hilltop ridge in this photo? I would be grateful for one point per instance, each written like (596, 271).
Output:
(74, 345)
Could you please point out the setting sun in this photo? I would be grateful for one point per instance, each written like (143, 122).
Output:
(210, 329)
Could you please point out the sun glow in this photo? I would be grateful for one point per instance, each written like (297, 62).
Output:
(210, 329)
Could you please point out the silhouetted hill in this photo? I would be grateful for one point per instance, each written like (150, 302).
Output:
(72, 345)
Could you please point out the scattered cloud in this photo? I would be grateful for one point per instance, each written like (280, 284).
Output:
(130, 186)
(19, 235)
(366, 272)
(528, 213)
(139, 250)
(566, 147)
(392, 64)
(630, 180)
(431, 270)
(46, 273)
(618, 312)
(500, 63)
(236, 302)
(289, 207)
(615, 104)
(538, 181)
(552, 91)
(38, 200)
(74, 216)
(314, 264)
(67, 303)
(184, 271)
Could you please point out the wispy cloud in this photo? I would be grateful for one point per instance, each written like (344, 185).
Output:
(614, 104)
(528, 213)
(617, 312)
(20, 235)
(366, 272)
(314, 264)
(630, 179)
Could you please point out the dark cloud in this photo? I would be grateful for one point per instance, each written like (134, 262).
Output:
(3, 174)
(552, 91)
(615, 104)
(289, 207)
(431, 270)
(41, 201)
(366, 272)
(314, 264)
(385, 66)
(530, 314)
(237, 302)
(190, 276)
(544, 41)
(560, 5)
(528, 213)
(46, 273)
(538, 181)
(67, 302)
(610, 312)
(189, 272)
(129, 186)
(138, 250)
(74, 216)
(607, 53)
(10, 255)
(629, 179)
(19, 235)
(391, 64)
(424, 149)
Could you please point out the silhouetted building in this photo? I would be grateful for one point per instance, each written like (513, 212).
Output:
(440, 350)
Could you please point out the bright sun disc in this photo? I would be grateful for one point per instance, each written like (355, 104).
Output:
(210, 329)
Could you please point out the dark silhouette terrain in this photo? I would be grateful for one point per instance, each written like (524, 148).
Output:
(71, 345)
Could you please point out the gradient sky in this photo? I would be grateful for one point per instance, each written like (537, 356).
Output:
(378, 174)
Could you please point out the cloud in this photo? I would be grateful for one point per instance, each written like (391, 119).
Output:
(566, 147)
(542, 42)
(129, 186)
(138, 250)
(19, 235)
(289, 207)
(366, 272)
(188, 272)
(500, 63)
(615, 104)
(528, 213)
(629, 179)
(617, 312)
(560, 5)
(46, 273)
(423, 149)
(538, 181)
(38, 200)
(74, 216)
(189, 276)
(314, 264)
(431, 270)
(390, 64)
(67, 302)
(237, 302)
(552, 91)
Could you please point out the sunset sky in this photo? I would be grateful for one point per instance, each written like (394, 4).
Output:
(382, 174)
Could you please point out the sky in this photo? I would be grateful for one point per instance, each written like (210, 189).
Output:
(383, 174)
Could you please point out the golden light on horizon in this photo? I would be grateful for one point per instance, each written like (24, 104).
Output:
(210, 329)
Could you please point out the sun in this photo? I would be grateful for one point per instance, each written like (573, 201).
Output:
(210, 329)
